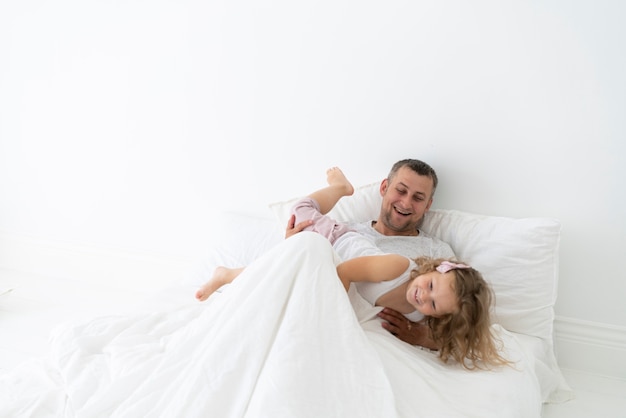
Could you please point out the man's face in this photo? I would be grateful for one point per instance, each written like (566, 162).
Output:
(406, 198)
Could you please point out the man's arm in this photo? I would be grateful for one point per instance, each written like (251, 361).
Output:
(414, 333)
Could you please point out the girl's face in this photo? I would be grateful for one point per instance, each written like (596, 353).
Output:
(433, 294)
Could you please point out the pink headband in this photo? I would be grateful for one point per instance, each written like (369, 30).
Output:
(446, 266)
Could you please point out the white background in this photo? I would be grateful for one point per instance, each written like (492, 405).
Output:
(132, 124)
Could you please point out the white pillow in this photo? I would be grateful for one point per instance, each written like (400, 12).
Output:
(518, 257)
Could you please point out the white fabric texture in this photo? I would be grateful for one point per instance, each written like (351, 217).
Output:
(284, 340)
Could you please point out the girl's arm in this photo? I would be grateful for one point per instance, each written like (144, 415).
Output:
(372, 268)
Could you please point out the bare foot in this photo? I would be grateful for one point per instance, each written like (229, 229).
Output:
(336, 178)
(221, 276)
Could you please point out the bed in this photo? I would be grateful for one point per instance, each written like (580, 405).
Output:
(286, 340)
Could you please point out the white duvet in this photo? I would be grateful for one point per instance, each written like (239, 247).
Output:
(284, 340)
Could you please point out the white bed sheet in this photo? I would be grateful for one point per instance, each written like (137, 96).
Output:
(284, 340)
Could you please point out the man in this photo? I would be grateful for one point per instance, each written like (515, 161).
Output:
(407, 194)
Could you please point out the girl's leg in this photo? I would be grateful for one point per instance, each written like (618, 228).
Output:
(338, 187)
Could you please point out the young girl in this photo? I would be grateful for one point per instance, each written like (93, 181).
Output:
(452, 298)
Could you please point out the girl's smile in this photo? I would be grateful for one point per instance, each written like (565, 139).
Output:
(433, 293)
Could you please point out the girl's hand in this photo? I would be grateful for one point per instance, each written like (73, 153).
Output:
(293, 229)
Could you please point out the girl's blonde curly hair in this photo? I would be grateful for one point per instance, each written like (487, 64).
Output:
(465, 335)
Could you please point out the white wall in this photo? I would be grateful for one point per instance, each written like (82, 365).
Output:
(129, 124)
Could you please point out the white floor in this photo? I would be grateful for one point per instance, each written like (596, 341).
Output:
(37, 303)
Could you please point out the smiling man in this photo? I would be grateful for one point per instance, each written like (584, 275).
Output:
(407, 194)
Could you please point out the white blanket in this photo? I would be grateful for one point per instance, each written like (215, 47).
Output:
(282, 341)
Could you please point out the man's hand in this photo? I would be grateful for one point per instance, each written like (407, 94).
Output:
(293, 229)
(414, 333)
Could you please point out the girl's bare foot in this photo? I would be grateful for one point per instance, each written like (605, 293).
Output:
(336, 178)
(221, 276)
